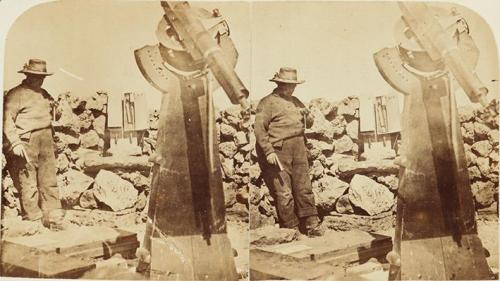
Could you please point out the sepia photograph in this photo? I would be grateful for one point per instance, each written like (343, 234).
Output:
(256, 140)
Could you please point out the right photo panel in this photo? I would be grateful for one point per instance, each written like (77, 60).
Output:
(376, 142)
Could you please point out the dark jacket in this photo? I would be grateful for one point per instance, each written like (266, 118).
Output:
(278, 117)
(25, 110)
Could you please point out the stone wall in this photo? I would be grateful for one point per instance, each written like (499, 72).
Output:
(349, 193)
(361, 194)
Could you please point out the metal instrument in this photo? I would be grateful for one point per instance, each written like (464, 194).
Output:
(186, 229)
(436, 236)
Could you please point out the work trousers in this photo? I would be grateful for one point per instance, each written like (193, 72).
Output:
(291, 187)
(35, 176)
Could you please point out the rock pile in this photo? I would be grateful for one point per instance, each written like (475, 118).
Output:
(349, 193)
(236, 144)
(480, 134)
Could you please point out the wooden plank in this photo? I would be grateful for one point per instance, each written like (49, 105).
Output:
(90, 242)
(190, 257)
(23, 261)
(417, 255)
(267, 265)
(469, 251)
(337, 247)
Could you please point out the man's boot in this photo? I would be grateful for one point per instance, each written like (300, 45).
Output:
(55, 220)
(313, 226)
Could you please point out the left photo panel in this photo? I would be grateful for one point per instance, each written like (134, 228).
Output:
(127, 138)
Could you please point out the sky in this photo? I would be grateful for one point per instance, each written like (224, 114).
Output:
(89, 45)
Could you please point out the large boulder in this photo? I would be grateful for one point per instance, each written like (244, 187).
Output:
(74, 184)
(352, 129)
(97, 102)
(318, 147)
(481, 131)
(344, 145)
(232, 116)
(66, 119)
(343, 205)
(227, 132)
(239, 159)
(86, 120)
(115, 192)
(484, 193)
(494, 155)
(482, 148)
(76, 103)
(240, 139)
(255, 195)
(227, 167)
(470, 158)
(316, 170)
(139, 181)
(348, 107)
(367, 194)
(87, 200)
(390, 181)
(99, 125)
(90, 139)
(242, 196)
(339, 125)
(324, 106)
(326, 192)
(483, 165)
(64, 141)
(468, 132)
(229, 193)
(321, 128)
(228, 149)
(493, 137)
(474, 173)
(254, 172)
(258, 219)
(238, 212)
(62, 163)
(10, 195)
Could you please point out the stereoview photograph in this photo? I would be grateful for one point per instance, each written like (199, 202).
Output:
(258, 140)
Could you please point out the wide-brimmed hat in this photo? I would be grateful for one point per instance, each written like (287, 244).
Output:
(287, 75)
(35, 66)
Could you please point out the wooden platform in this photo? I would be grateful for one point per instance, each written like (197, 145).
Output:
(87, 242)
(317, 258)
(64, 254)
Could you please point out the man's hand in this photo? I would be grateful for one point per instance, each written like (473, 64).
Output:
(272, 158)
(18, 150)
(305, 111)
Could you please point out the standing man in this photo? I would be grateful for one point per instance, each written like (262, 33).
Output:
(279, 129)
(29, 146)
